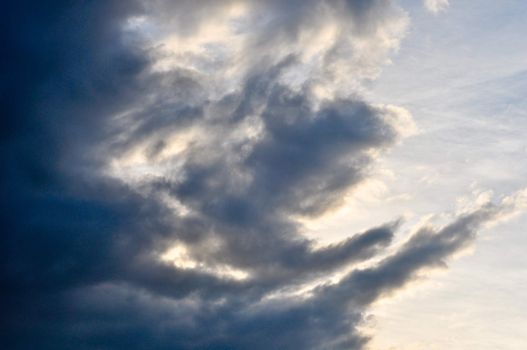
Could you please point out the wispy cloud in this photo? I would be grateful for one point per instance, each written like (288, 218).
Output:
(436, 6)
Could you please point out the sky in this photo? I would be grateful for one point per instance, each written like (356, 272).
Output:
(230, 174)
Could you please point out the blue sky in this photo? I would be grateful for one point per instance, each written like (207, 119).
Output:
(462, 74)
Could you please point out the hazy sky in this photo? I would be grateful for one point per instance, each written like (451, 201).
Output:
(229, 174)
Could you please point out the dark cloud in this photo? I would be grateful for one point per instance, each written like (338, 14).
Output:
(82, 251)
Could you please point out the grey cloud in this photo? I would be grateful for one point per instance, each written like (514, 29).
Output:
(325, 320)
(81, 250)
(427, 248)
(302, 162)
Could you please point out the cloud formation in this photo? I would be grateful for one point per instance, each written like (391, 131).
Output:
(156, 173)
(436, 6)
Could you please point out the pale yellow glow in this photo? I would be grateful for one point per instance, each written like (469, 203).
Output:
(137, 161)
(399, 119)
(217, 31)
(179, 256)
(358, 211)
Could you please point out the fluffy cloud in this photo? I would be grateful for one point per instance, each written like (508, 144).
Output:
(156, 173)
(436, 6)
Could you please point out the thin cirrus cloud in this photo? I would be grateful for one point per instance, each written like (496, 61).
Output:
(156, 173)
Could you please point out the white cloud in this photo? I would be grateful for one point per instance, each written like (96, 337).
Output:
(436, 6)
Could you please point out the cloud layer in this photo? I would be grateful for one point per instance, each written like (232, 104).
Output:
(156, 172)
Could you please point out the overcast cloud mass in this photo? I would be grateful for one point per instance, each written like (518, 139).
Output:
(159, 158)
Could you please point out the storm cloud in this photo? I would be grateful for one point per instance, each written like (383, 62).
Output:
(153, 182)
